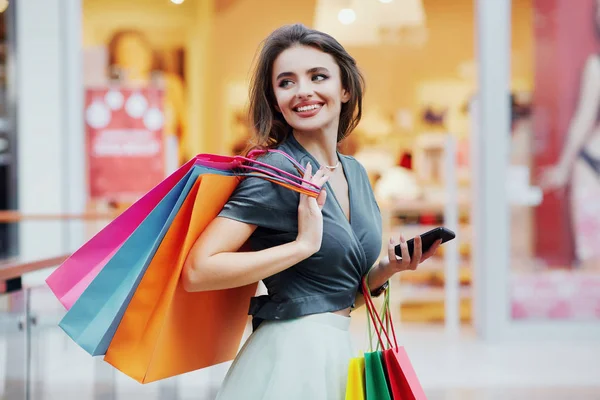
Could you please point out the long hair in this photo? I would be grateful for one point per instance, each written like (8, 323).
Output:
(270, 127)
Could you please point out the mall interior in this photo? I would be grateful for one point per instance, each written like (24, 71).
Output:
(478, 116)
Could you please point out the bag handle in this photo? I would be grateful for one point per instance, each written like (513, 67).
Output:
(376, 318)
(239, 162)
(283, 182)
(311, 186)
(256, 152)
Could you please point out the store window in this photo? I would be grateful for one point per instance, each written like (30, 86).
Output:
(555, 167)
(8, 159)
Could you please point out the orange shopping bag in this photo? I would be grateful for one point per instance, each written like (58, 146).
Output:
(167, 331)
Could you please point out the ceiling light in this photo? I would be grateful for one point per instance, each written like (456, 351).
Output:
(177, 1)
(385, 1)
(347, 16)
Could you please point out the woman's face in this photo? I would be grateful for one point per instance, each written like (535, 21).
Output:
(308, 89)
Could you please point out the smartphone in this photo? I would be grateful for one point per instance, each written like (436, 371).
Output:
(427, 240)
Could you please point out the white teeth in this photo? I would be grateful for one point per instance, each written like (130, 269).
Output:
(308, 108)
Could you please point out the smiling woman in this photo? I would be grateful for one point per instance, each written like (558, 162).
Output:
(311, 253)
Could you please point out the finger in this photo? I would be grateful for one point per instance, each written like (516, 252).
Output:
(318, 176)
(308, 172)
(431, 251)
(321, 181)
(321, 199)
(392, 257)
(417, 252)
(404, 252)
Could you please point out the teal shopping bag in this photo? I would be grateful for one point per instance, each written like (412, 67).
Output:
(93, 319)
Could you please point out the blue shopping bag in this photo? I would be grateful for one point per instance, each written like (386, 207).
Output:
(93, 319)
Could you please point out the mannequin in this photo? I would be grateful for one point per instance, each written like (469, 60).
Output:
(133, 60)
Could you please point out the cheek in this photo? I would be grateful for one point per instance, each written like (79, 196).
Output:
(283, 99)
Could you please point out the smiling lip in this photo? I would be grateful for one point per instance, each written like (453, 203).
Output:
(307, 110)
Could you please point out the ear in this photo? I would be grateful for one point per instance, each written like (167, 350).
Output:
(345, 96)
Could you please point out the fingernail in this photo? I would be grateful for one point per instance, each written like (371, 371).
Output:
(402, 238)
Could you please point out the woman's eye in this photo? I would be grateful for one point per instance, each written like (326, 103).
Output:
(285, 83)
(319, 77)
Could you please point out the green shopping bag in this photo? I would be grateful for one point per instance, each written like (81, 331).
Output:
(375, 379)
(376, 382)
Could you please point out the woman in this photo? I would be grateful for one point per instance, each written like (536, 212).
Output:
(306, 96)
(579, 164)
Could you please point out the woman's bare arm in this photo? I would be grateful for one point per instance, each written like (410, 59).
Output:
(586, 113)
(215, 263)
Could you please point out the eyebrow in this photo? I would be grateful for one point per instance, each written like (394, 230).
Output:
(310, 71)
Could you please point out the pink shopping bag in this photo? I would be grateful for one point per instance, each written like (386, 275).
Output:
(73, 276)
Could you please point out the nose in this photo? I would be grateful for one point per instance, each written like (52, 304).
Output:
(305, 89)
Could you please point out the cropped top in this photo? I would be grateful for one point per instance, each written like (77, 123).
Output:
(328, 280)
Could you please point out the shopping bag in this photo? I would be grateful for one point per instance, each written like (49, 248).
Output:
(401, 376)
(355, 384)
(166, 331)
(74, 275)
(375, 378)
(71, 278)
(93, 318)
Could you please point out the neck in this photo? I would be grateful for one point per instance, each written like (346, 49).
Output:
(320, 145)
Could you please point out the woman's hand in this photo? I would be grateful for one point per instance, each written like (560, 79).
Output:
(406, 262)
(310, 218)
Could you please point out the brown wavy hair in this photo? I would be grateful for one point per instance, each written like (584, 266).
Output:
(270, 127)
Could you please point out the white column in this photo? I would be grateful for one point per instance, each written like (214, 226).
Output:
(49, 121)
(490, 146)
(39, 124)
(452, 257)
(74, 164)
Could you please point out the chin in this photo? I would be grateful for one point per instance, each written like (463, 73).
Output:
(309, 125)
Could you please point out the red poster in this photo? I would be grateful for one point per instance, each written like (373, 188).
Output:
(566, 41)
(125, 149)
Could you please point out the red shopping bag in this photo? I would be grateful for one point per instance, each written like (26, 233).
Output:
(402, 378)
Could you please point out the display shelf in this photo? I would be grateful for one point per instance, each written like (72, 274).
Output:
(420, 294)
(407, 293)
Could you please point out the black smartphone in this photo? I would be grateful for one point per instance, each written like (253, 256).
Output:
(427, 240)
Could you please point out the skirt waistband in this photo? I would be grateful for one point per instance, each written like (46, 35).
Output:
(335, 320)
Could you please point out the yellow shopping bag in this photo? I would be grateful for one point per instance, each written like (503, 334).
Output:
(355, 386)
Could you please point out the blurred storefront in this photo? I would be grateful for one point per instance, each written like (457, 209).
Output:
(500, 79)
(8, 160)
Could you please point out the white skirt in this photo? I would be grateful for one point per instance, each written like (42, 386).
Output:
(299, 359)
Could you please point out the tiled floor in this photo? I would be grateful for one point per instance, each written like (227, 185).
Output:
(460, 368)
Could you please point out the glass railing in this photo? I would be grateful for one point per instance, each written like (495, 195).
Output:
(38, 360)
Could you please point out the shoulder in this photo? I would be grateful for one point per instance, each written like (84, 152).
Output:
(355, 166)
(279, 158)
